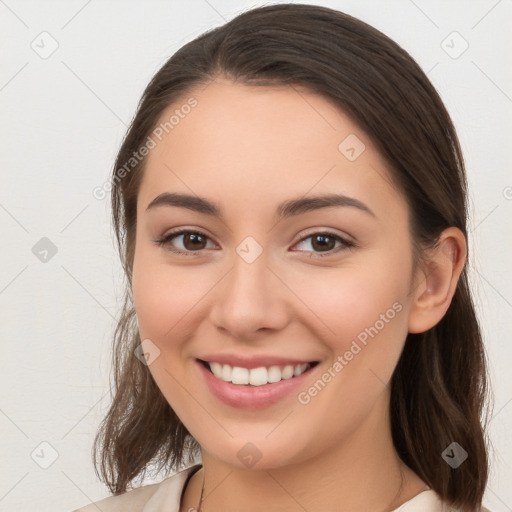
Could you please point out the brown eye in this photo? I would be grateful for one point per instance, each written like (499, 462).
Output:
(192, 241)
(325, 242)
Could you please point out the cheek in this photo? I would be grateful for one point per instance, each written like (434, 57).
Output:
(164, 300)
(164, 296)
(353, 303)
(364, 318)
(153, 301)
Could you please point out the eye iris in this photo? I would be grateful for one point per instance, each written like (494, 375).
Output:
(323, 246)
(196, 238)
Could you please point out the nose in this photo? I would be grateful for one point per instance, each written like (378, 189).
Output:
(251, 300)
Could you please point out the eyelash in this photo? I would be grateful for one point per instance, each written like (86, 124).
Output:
(346, 244)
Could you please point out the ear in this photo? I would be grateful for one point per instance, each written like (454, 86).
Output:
(437, 282)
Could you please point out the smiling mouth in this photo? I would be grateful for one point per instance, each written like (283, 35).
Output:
(256, 376)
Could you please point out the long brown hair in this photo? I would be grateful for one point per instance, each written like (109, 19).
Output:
(439, 389)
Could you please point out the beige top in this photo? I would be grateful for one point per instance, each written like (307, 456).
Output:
(166, 496)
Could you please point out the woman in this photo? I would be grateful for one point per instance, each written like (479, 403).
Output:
(290, 208)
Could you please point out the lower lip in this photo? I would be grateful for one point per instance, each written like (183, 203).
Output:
(252, 397)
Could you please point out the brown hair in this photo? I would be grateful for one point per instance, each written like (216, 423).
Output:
(439, 388)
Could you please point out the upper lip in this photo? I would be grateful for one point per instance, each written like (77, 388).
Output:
(250, 362)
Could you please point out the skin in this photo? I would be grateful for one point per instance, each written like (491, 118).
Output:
(248, 149)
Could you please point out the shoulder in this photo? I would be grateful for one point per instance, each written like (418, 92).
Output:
(429, 501)
(147, 498)
(130, 501)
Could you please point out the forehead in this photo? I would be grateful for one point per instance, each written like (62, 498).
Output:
(253, 145)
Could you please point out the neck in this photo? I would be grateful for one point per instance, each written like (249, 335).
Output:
(363, 472)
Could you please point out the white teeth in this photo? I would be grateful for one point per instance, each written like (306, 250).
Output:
(287, 372)
(256, 376)
(274, 374)
(226, 373)
(300, 368)
(216, 369)
(240, 375)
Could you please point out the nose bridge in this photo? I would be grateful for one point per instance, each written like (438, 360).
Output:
(250, 296)
(249, 274)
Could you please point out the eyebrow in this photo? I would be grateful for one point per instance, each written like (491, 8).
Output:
(286, 209)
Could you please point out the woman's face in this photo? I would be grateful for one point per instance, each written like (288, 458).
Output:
(263, 285)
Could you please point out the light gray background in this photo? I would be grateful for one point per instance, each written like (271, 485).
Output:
(62, 120)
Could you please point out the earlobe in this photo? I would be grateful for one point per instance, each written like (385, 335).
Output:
(437, 283)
